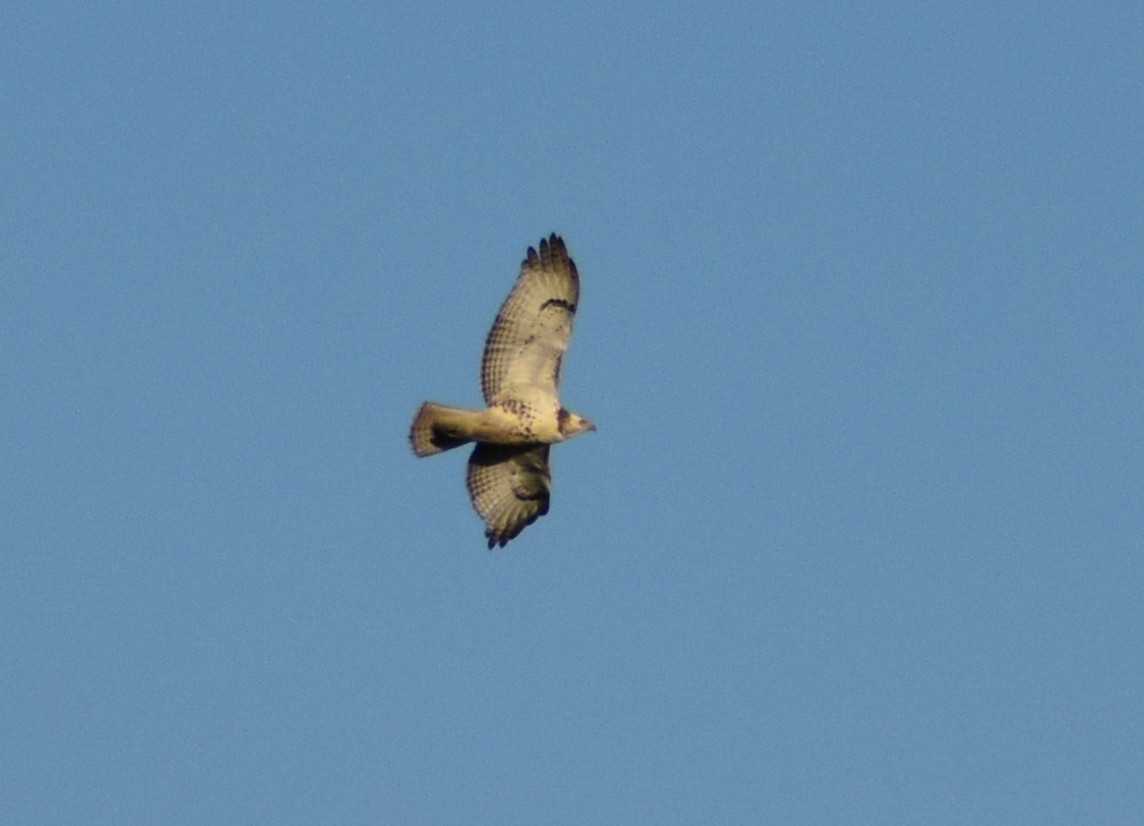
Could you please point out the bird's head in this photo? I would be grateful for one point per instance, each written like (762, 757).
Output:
(573, 424)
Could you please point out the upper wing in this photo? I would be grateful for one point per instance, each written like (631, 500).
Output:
(509, 487)
(526, 345)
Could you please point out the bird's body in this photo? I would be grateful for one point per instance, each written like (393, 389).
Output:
(509, 477)
(437, 427)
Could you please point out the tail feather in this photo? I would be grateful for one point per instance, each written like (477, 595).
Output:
(437, 428)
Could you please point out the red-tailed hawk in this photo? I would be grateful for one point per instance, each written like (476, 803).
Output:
(509, 477)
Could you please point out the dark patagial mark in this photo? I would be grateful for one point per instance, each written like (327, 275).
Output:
(558, 302)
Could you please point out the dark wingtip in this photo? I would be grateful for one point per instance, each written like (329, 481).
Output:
(550, 247)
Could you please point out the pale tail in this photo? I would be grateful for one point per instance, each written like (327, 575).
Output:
(437, 428)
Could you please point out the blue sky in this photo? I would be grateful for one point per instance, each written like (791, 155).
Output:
(858, 539)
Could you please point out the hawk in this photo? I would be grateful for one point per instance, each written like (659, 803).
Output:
(508, 476)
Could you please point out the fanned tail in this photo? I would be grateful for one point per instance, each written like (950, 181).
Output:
(437, 428)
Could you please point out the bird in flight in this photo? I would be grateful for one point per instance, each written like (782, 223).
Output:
(509, 479)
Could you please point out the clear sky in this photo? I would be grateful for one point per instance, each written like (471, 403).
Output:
(858, 539)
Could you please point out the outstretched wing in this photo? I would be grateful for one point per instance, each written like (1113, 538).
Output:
(526, 345)
(509, 487)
